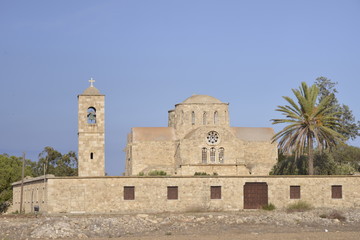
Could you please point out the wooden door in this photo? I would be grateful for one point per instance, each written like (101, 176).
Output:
(255, 195)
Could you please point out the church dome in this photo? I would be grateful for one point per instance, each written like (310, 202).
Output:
(91, 91)
(201, 99)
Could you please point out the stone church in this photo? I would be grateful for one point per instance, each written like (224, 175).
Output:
(199, 139)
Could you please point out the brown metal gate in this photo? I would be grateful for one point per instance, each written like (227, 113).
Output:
(255, 195)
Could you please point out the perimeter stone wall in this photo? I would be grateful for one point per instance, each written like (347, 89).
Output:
(106, 194)
(34, 194)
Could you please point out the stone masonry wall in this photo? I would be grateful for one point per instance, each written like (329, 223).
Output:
(34, 194)
(183, 116)
(106, 194)
(153, 155)
(91, 137)
(260, 157)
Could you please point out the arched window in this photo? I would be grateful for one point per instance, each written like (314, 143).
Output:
(204, 118)
(91, 115)
(92, 155)
(215, 117)
(212, 155)
(221, 155)
(193, 118)
(204, 155)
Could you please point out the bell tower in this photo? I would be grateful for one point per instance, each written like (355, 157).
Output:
(91, 132)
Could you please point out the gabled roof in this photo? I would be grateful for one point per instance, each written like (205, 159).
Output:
(153, 134)
(253, 134)
(91, 91)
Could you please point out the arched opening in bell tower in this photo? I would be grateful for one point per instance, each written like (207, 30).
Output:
(91, 115)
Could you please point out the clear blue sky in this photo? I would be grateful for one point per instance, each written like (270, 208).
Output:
(147, 56)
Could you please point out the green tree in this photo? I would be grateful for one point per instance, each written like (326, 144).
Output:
(345, 154)
(67, 165)
(341, 160)
(10, 171)
(290, 165)
(310, 124)
(350, 128)
(56, 163)
(48, 159)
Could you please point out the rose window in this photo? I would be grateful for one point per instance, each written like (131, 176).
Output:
(212, 137)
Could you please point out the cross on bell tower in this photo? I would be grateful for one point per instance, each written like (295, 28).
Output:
(91, 81)
(91, 132)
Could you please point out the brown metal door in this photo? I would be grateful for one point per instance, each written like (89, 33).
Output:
(255, 195)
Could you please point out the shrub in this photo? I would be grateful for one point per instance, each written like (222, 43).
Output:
(268, 207)
(300, 206)
(337, 215)
(201, 174)
(16, 212)
(4, 206)
(334, 215)
(157, 173)
(141, 174)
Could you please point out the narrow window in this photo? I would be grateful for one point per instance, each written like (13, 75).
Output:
(193, 118)
(212, 154)
(215, 192)
(336, 191)
(91, 115)
(204, 118)
(172, 193)
(215, 117)
(204, 155)
(221, 155)
(129, 193)
(294, 192)
(91, 155)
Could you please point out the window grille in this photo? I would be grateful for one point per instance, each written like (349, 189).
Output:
(129, 193)
(215, 192)
(172, 193)
(204, 155)
(336, 191)
(294, 192)
(212, 154)
(221, 155)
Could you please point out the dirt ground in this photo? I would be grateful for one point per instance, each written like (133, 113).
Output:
(255, 232)
(254, 225)
(267, 236)
(259, 232)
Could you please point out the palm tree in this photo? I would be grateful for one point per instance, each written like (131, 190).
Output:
(310, 124)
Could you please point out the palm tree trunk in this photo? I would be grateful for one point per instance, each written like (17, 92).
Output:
(311, 156)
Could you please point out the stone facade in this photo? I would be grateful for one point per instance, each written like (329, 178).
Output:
(199, 139)
(34, 194)
(106, 194)
(91, 138)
